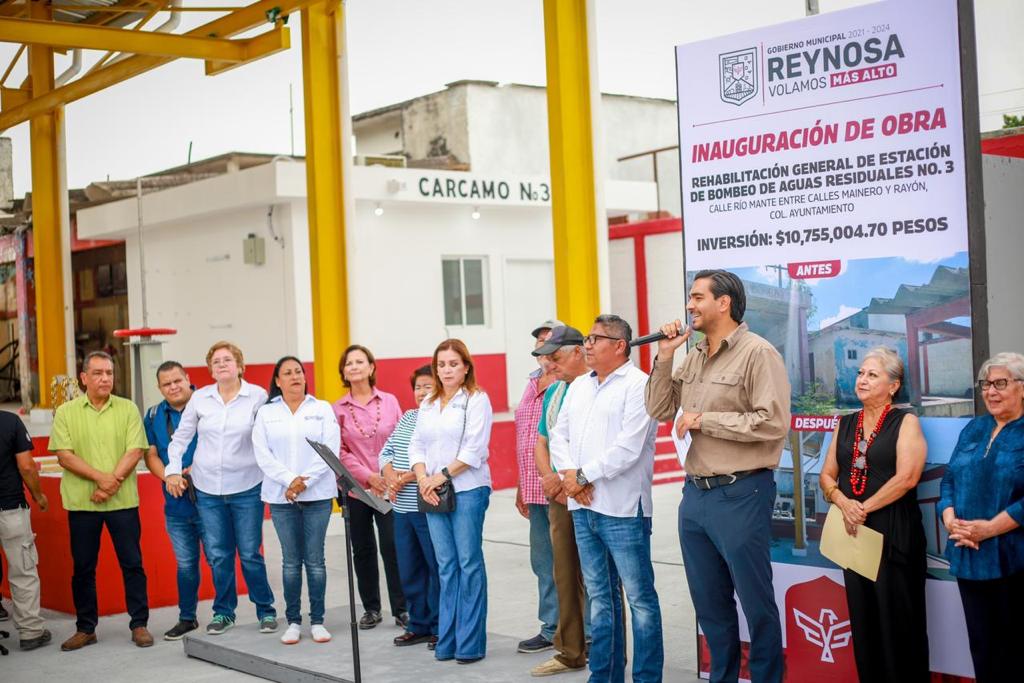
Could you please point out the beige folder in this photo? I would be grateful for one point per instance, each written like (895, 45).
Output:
(861, 553)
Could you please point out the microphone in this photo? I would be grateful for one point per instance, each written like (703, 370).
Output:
(653, 337)
(648, 339)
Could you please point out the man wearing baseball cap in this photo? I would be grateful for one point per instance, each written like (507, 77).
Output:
(530, 499)
(564, 353)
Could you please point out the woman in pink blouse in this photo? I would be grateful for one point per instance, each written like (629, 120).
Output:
(367, 417)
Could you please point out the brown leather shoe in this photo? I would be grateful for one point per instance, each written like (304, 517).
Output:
(78, 641)
(141, 637)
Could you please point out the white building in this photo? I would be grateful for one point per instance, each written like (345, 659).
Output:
(455, 243)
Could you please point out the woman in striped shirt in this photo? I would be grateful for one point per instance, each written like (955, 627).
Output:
(416, 562)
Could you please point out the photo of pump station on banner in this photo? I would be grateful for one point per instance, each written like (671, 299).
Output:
(823, 324)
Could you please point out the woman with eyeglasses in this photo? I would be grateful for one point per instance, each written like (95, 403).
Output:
(981, 505)
(870, 473)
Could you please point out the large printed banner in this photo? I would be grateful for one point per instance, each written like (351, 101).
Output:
(822, 160)
(837, 136)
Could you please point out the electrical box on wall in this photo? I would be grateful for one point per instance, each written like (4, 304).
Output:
(254, 250)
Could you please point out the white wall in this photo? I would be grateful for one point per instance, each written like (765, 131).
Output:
(1004, 244)
(397, 302)
(666, 283)
(948, 374)
(379, 135)
(440, 115)
(508, 130)
(197, 283)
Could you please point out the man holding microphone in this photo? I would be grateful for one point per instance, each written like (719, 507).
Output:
(734, 394)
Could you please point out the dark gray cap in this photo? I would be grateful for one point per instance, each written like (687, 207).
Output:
(560, 336)
(547, 325)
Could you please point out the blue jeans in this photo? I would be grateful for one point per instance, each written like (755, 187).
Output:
(613, 549)
(185, 534)
(458, 544)
(725, 534)
(302, 530)
(542, 563)
(234, 523)
(417, 566)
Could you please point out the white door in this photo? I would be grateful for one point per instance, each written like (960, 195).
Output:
(529, 301)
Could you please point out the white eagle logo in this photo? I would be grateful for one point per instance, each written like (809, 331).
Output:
(835, 635)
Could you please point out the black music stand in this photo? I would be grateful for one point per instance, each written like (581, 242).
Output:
(347, 484)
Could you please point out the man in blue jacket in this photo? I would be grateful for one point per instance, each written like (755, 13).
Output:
(182, 519)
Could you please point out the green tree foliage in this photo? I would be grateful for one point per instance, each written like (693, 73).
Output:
(815, 401)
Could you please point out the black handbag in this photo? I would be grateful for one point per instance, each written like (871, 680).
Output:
(445, 499)
(446, 491)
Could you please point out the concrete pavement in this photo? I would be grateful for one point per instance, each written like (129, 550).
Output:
(512, 611)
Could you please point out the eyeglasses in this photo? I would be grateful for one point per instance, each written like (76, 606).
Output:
(591, 339)
(999, 384)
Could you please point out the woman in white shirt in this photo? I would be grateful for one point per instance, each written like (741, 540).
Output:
(299, 487)
(227, 484)
(449, 445)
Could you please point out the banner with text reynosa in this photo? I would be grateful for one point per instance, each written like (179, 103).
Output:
(823, 162)
(836, 136)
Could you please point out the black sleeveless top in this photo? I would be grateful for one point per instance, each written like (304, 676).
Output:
(900, 521)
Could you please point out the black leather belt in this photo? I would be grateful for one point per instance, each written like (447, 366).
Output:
(716, 480)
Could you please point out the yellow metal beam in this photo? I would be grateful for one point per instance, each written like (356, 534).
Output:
(255, 48)
(162, 8)
(244, 19)
(49, 219)
(322, 42)
(13, 97)
(573, 193)
(58, 34)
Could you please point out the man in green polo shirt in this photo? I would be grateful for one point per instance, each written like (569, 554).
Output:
(99, 439)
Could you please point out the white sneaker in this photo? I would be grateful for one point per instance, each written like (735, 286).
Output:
(320, 634)
(292, 634)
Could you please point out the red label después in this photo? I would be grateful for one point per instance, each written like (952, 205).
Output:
(814, 423)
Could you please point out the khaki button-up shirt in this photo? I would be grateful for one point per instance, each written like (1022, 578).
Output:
(743, 395)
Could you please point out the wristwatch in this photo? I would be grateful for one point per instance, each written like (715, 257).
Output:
(446, 473)
(581, 479)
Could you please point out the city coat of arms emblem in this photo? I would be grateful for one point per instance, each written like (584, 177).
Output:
(738, 75)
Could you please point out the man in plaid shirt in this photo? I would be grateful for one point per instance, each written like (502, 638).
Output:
(530, 499)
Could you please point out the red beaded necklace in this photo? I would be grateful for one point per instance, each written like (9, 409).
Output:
(859, 468)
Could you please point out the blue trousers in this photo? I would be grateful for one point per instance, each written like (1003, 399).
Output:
(417, 566)
(725, 534)
(185, 534)
(458, 545)
(542, 563)
(302, 530)
(614, 549)
(233, 524)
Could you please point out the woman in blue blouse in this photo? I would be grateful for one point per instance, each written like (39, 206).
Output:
(417, 565)
(982, 508)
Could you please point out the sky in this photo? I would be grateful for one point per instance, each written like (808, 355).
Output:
(400, 49)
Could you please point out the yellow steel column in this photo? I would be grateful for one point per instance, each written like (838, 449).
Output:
(578, 227)
(322, 42)
(49, 219)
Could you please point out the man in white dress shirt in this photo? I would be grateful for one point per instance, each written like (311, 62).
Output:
(603, 446)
